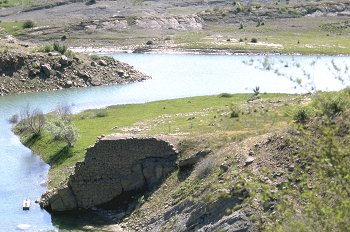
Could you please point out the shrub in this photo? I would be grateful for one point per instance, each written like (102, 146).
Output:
(256, 90)
(61, 48)
(64, 131)
(64, 111)
(14, 118)
(204, 167)
(91, 2)
(301, 116)
(254, 40)
(225, 95)
(28, 24)
(101, 113)
(235, 113)
(33, 121)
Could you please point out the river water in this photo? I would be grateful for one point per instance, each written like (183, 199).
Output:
(174, 76)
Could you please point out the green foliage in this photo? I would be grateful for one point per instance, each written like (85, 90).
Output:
(254, 40)
(63, 130)
(302, 115)
(28, 24)
(235, 113)
(225, 95)
(61, 48)
(101, 113)
(32, 121)
(57, 47)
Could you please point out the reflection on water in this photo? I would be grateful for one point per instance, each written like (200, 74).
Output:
(174, 76)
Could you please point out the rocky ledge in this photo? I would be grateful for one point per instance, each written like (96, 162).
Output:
(114, 166)
(22, 72)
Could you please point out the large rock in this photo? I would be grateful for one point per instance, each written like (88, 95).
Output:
(46, 69)
(114, 165)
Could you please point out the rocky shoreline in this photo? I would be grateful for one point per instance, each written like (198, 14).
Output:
(37, 72)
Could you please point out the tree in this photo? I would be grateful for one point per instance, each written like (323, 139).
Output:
(33, 121)
(63, 130)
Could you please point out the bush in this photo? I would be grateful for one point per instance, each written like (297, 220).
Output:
(301, 116)
(254, 40)
(101, 113)
(91, 2)
(64, 131)
(61, 48)
(14, 118)
(204, 167)
(235, 113)
(227, 95)
(28, 24)
(33, 121)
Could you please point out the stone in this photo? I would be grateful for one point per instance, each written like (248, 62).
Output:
(114, 165)
(120, 73)
(102, 63)
(93, 64)
(249, 161)
(69, 83)
(63, 60)
(46, 68)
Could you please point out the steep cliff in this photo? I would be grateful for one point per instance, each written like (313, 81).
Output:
(115, 165)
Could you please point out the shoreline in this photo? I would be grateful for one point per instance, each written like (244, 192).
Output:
(181, 51)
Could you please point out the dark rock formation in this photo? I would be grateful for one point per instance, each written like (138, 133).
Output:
(22, 72)
(113, 166)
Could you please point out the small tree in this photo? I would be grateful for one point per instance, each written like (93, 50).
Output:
(33, 121)
(64, 131)
(64, 111)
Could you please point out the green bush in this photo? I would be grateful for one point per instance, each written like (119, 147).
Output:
(225, 95)
(63, 130)
(28, 24)
(101, 113)
(235, 113)
(301, 116)
(254, 40)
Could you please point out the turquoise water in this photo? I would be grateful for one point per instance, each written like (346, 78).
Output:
(174, 76)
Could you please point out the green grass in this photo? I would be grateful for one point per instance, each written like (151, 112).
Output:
(11, 3)
(14, 28)
(210, 116)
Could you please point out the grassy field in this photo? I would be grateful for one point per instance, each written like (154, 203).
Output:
(11, 3)
(310, 35)
(189, 117)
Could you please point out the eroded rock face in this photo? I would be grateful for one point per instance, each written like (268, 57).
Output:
(114, 165)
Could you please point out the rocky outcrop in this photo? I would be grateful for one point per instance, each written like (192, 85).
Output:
(114, 166)
(22, 72)
(179, 23)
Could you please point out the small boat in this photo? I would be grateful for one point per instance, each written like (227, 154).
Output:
(26, 204)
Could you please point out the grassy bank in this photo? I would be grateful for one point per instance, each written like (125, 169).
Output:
(298, 145)
(188, 117)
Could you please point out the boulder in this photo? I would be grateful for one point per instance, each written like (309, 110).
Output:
(46, 68)
(102, 63)
(114, 165)
(63, 60)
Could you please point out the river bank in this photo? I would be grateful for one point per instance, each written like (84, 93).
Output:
(24, 71)
(241, 138)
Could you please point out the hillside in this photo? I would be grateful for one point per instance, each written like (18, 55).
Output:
(201, 26)
(267, 161)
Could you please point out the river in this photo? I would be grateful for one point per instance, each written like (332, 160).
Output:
(22, 173)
